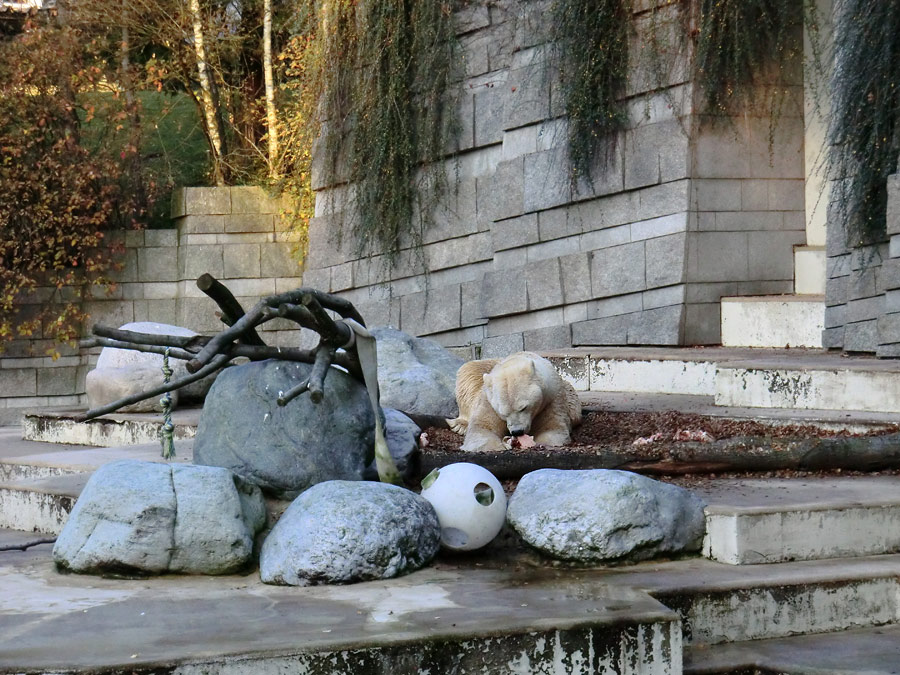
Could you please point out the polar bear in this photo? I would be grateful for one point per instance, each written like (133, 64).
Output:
(521, 394)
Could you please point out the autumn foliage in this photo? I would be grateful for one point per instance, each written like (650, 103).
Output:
(62, 195)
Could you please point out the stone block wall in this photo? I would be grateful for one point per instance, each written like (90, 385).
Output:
(862, 287)
(683, 212)
(235, 234)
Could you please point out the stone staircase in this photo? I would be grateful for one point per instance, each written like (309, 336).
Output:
(797, 576)
(826, 384)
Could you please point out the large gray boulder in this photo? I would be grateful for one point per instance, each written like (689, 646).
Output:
(285, 450)
(150, 517)
(123, 372)
(600, 515)
(416, 375)
(341, 532)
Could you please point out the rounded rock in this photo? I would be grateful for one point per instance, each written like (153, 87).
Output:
(341, 532)
(602, 515)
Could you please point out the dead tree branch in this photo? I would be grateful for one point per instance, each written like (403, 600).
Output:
(232, 310)
(220, 361)
(306, 307)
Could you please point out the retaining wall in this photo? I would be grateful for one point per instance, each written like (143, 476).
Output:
(862, 288)
(689, 208)
(235, 234)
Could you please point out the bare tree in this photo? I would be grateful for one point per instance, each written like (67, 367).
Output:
(271, 115)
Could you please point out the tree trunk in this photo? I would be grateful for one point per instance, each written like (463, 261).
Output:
(271, 117)
(132, 107)
(207, 97)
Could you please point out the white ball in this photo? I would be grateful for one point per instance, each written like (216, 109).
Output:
(470, 505)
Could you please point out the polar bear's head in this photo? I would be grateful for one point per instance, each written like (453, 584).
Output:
(515, 391)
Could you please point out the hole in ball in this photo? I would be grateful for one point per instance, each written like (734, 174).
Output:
(484, 494)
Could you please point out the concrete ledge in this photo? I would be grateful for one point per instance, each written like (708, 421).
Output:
(108, 431)
(872, 386)
(41, 505)
(777, 520)
(777, 321)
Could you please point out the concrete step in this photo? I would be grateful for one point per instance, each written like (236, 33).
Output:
(721, 603)
(658, 370)
(751, 521)
(738, 377)
(868, 651)
(111, 430)
(778, 321)
(40, 504)
(437, 621)
(829, 382)
(38, 491)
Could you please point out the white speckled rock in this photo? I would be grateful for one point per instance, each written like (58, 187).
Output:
(150, 517)
(600, 515)
(416, 375)
(123, 372)
(341, 532)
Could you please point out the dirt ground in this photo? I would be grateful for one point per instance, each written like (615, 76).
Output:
(604, 428)
(644, 432)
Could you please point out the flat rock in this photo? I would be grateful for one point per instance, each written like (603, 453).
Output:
(416, 375)
(285, 450)
(342, 532)
(603, 515)
(150, 517)
(123, 372)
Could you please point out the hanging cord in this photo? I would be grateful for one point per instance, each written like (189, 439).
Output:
(167, 431)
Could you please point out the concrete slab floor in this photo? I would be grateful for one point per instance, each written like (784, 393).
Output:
(53, 622)
(865, 651)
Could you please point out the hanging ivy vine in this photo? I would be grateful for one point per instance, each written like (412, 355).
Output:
(380, 70)
(592, 41)
(740, 40)
(865, 116)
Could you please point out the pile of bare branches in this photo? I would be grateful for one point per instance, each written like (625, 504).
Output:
(205, 355)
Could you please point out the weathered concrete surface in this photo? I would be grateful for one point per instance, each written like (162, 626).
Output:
(41, 505)
(26, 460)
(109, 430)
(38, 490)
(777, 321)
(832, 384)
(721, 603)
(438, 621)
(809, 379)
(865, 651)
(775, 520)
(458, 607)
